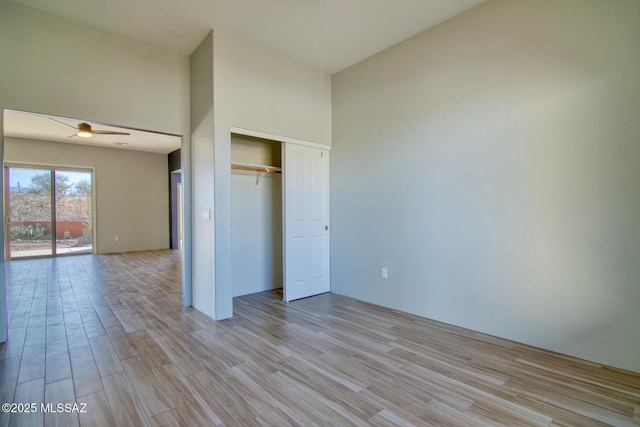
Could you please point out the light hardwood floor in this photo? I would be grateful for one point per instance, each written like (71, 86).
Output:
(109, 331)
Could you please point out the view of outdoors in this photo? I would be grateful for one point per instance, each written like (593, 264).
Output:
(35, 228)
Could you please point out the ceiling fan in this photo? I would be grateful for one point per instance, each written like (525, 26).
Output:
(84, 130)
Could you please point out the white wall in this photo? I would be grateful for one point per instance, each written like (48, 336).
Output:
(131, 190)
(57, 66)
(491, 164)
(256, 218)
(258, 89)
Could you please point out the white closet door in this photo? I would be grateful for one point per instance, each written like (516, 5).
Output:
(306, 221)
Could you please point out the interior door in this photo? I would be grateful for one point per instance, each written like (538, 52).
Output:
(306, 221)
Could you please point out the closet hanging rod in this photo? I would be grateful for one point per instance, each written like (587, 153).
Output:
(255, 168)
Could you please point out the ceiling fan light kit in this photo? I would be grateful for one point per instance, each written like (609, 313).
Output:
(84, 130)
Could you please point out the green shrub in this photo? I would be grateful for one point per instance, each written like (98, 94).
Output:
(28, 232)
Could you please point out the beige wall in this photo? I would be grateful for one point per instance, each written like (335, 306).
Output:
(260, 89)
(252, 88)
(202, 130)
(255, 151)
(491, 164)
(132, 200)
(256, 217)
(53, 65)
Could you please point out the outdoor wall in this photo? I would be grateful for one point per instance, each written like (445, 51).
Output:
(131, 190)
(491, 164)
(70, 229)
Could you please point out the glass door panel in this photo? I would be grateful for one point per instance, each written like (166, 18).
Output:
(74, 228)
(29, 216)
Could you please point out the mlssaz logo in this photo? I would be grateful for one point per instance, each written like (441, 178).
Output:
(63, 407)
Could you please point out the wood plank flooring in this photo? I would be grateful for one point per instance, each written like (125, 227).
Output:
(109, 332)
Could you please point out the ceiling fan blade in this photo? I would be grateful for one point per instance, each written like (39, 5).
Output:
(62, 123)
(108, 132)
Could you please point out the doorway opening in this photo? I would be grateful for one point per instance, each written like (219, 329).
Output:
(127, 167)
(49, 211)
(176, 209)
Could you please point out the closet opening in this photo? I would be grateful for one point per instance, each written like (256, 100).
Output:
(256, 212)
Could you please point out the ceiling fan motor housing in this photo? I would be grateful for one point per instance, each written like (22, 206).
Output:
(84, 127)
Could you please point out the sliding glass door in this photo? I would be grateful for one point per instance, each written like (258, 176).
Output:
(30, 212)
(73, 212)
(49, 211)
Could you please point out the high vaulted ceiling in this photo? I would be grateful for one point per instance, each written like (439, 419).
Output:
(334, 33)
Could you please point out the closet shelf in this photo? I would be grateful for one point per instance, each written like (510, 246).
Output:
(256, 168)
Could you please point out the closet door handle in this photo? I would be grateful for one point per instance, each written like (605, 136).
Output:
(326, 227)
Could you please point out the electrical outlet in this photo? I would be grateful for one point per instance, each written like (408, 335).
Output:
(116, 239)
(383, 272)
